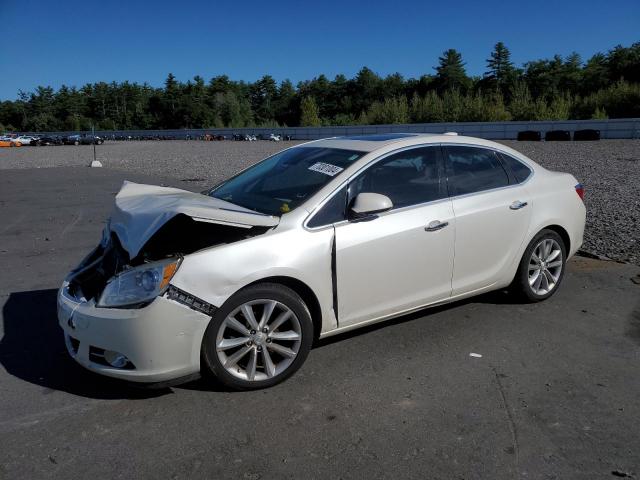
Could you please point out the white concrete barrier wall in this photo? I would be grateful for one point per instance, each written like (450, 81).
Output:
(609, 129)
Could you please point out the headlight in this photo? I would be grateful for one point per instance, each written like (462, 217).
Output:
(138, 285)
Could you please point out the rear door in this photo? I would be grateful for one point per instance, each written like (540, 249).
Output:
(492, 212)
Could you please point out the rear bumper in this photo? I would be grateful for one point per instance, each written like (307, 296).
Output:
(162, 341)
(576, 233)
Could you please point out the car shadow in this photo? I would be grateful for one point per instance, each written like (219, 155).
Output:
(633, 329)
(497, 297)
(32, 349)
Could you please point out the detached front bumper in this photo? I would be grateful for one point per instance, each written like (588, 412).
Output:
(161, 341)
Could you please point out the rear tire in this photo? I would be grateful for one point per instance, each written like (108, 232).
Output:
(541, 268)
(258, 338)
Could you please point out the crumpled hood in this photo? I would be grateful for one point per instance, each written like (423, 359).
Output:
(141, 210)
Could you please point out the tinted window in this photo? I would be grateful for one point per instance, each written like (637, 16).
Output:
(471, 169)
(280, 183)
(520, 170)
(331, 212)
(408, 178)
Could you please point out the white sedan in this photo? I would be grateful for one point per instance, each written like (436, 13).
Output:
(321, 238)
(26, 139)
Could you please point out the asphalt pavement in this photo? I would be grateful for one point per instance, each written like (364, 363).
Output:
(551, 391)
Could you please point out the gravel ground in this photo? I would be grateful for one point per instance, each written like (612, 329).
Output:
(609, 169)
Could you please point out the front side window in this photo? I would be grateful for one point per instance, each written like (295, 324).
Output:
(473, 169)
(408, 178)
(281, 183)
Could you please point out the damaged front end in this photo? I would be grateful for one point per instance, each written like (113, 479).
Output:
(151, 229)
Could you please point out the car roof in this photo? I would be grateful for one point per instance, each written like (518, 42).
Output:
(367, 143)
(392, 141)
(374, 142)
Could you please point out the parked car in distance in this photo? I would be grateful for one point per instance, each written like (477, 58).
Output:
(316, 240)
(244, 137)
(48, 140)
(71, 140)
(26, 139)
(9, 142)
(85, 139)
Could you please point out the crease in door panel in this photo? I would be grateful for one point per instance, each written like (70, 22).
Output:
(334, 277)
(455, 239)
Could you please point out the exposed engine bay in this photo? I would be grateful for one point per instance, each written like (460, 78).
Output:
(154, 223)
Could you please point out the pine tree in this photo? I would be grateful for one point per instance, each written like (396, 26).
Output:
(309, 114)
(500, 67)
(451, 73)
(499, 64)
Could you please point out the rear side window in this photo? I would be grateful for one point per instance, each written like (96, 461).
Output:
(473, 169)
(410, 177)
(520, 171)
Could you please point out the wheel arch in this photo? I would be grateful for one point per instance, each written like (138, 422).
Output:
(554, 227)
(564, 235)
(306, 293)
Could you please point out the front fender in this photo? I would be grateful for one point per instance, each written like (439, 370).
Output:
(215, 274)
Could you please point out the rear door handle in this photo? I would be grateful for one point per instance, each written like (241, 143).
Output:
(517, 205)
(435, 226)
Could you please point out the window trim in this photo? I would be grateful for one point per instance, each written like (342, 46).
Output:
(497, 150)
(365, 167)
(442, 146)
(507, 172)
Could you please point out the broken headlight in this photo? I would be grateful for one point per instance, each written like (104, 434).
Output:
(106, 235)
(139, 285)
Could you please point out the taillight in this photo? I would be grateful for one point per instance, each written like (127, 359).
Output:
(580, 191)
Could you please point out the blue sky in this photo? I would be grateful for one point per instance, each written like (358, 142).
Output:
(73, 42)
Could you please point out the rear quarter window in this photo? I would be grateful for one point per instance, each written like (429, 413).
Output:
(520, 171)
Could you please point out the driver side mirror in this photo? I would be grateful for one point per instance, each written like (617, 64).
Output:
(367, 205)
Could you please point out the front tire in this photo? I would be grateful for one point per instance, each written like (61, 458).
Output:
(258, 338)
(542, 267)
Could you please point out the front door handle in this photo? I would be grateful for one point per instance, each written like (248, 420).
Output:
(435, 226)
(517, 205)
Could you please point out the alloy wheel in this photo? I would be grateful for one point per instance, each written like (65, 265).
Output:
(259, 340)
(545, 266)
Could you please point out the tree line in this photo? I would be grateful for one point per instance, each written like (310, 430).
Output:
(607, 85)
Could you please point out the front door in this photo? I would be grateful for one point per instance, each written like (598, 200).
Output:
(402, 259)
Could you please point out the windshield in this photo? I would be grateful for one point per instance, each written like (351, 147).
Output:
(280, 183)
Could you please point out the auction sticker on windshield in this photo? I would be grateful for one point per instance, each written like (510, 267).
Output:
(326, 168)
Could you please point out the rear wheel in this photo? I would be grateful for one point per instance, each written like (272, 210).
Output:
(258, 338)
(542, 267)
